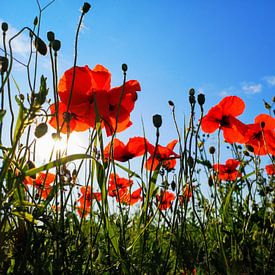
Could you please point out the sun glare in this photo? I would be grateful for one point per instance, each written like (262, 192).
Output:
(47, 146)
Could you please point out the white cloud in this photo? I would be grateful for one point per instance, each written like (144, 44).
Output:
(252, 88)
(270, 80)
(227, 91)
(20, 44)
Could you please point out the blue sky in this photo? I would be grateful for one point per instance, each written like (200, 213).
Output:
(217, 47)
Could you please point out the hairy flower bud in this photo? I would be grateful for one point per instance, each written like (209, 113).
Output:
(212, 150)
(192, 99)
(124, 67)
(191, 91)
(35, 21)
(171, 103)
(201, 99)
(40, 130)
(5, 26)
(4, 64)
(190, 161)
(40, 45)
(86, 7)
(249, 148)
(56, 45)
(157, 121)
(50, 36)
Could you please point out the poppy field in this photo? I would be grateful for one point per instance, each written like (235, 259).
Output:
(128, 205)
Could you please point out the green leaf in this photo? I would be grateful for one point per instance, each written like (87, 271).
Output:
(56, 163)
(25, 216)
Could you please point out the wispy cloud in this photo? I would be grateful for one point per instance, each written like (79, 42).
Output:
(227, 91)
(20, 45)
(252, 88)
(270, 80)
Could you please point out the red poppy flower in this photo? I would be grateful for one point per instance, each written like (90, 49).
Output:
(270, 169)
(134, 148)
(93, 97)
(187, 194)
(228, 170)
(223, 116)
(165, 199)
(118, 184)
(130, 199)
(42, 182)
(86, 199)
(75, 118)
(262, 139)
(162, 156)
(87, 196)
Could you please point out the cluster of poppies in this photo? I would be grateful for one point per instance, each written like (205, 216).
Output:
(86, 97)
(258, 136)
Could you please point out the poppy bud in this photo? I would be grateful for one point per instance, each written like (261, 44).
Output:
(210, 181)
(173, 185)
(190, 161)
(124, 67)
(273, 99)
(40, 45)
(4, 63)
(267, 106)
(35, 21)
(192, 99)
(249, 148)
(22, 97)
(40, 130)
(246, 153)
(191, 91)
(157, 121)
(5, 26)
(171, 103)
(201, 99)
(86, 7)
(56, 45)
(262, 124)
(67, 117)
(56, 136)
(212, 150)
(50, 36)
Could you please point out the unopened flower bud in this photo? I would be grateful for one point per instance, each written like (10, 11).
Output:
(67, 117)
(190, 161)
(245, 152)
(173, 185)
(273, 99)
(41, 129)
(124, 67)
(171, 103)
(56, 136)
(50, 36)
(210, 181)
(191, 91)
(4, 63)
(5, 26)
(157, 121)
(212, 150)
(40, 45)
(249, 148)
(192, 99)
(56, 45)
(22, 97)
(35, 21)
(201, 99)
(267, 105)
(86, 7)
